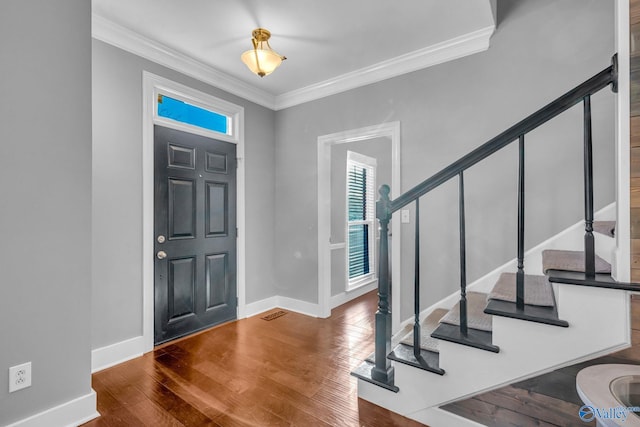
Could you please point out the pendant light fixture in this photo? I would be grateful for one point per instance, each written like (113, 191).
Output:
(261, 60)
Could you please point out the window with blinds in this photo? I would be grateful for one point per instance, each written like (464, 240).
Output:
(361, 180)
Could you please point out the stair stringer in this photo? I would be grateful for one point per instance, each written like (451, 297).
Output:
(598, 324)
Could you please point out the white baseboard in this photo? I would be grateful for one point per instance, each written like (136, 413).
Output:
(291, 304)
(70, 414)
(302, 307)
(260, 306)
(105, 357)
(347, 296)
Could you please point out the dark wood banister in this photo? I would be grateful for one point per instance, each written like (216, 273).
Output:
(594, 84)
(382, 373)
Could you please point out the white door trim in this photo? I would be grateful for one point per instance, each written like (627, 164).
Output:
(151, 85)
(325, 142)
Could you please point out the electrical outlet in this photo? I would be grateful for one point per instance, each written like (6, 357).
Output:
(19, 377)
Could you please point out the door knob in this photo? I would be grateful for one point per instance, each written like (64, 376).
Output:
(161, 255)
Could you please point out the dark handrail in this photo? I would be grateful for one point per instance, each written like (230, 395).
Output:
(382, 373)
(543, 115)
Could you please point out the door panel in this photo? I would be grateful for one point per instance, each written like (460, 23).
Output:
(195, 212)
(182, 281)
(182, 209)
(216, 209)
(216, 162)
(217, 280)
(182, 157)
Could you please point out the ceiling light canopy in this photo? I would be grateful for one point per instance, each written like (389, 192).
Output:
(261, 60)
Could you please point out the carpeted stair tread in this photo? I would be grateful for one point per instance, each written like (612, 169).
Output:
(426, 328)
(570, 261)
(537, 290)
(476, 318)
(608, 228)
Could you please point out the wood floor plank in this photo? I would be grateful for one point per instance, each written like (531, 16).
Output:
(290, 371)
(206, 387)
(492, 415)
(535, 405)
(294, 371)
(375, 416)
(556, 384)
(632, 353)
(635, 308)
(114, 412)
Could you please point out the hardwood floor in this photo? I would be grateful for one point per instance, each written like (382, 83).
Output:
(294, 371)
(546, 400)
(289, 371)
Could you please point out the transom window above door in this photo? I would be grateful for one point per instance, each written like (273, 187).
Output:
(182, 111)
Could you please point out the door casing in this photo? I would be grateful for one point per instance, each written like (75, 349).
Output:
(153, 85)
(389, 130)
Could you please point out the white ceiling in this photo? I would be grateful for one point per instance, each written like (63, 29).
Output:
(331, 45)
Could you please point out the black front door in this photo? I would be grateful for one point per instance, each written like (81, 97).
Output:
(195, 233)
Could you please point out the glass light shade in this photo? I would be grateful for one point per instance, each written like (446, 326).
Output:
(261, 61)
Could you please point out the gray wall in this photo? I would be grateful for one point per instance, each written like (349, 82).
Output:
(541, 49)
(379, 149)
(117, 192)
(45, 213)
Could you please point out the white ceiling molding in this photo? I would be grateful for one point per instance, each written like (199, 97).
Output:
(467, 44)
(123, 38)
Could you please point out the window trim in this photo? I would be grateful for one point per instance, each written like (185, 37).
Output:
(207, 102)
(228, 121)
(370, 164)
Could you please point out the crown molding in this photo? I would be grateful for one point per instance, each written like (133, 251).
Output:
(123, 38)
(467, 44)
(130, 41)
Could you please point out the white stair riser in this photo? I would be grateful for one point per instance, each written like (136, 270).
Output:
(598, 319)
(598, 323)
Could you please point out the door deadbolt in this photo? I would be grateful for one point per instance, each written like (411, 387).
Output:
(161, 255)
(161, 239)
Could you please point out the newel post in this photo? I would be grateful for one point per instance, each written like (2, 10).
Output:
(383, 371)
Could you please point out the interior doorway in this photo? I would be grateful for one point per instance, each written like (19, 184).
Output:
(332, 244)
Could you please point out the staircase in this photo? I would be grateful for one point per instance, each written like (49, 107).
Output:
(566, 309)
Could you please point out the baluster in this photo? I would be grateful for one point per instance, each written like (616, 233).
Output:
(520, 273)
(416, 288)
(589, 243)
(383, 371)
(463, 259)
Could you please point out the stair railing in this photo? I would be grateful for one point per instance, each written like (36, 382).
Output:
(382, 372)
